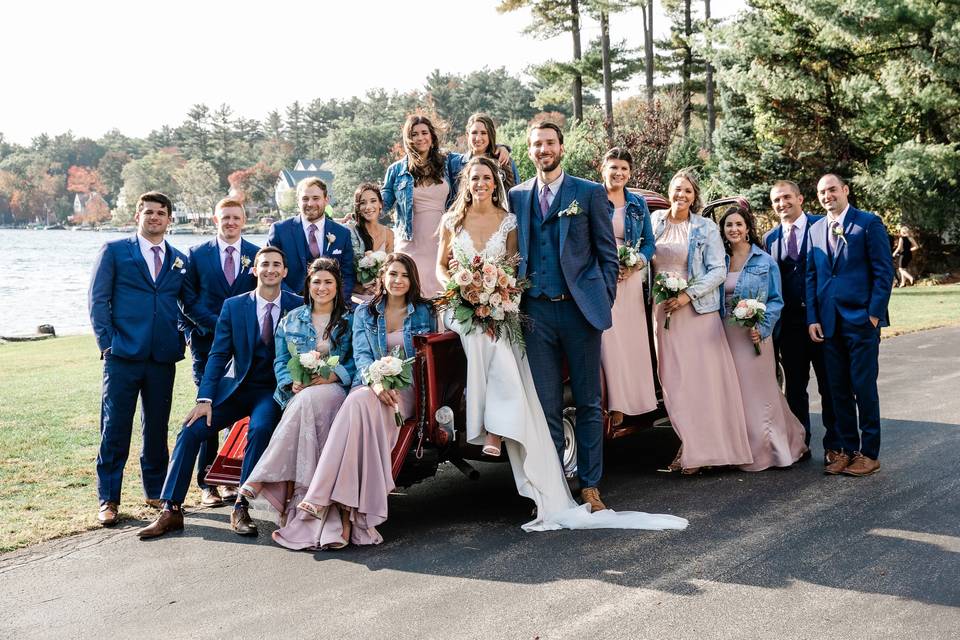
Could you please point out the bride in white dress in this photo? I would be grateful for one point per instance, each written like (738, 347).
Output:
(501, 397)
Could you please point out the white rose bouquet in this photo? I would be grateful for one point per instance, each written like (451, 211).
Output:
(390, 372)
(368, 268)
(628, 255)
(748, 312)
(668, 285)
(304, 366)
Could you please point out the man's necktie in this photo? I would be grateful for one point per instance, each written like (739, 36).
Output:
(314, 246)
(833, 238)
(792, 249)
(230, 267)
(544, 202)
(157, 262)
(266, 329)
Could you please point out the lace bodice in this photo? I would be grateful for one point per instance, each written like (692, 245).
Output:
(464, 248)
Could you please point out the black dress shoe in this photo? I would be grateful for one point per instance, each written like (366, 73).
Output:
(241, 523)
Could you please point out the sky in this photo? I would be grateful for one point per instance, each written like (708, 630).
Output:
(92, 66)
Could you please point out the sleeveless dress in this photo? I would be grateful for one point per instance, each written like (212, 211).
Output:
(697, 374)
(502, 399)
(429, 205)
(295, 445)
(776, 436)
(354, 470)
(625, 346)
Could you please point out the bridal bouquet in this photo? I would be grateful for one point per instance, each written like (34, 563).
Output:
(390, 372)
(485, 296)
(748, 312)
(628, 255)
(304, 366)
(668, 285)
(368, 268)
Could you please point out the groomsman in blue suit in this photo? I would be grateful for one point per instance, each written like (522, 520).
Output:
(217, 270)
(849, 280)
(568, 251)
(310, 235)
(787, 243)
(238, 381)
(135, 291)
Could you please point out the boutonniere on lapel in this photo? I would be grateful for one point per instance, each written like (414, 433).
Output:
(245, 261)
(838, 232)
(330, 239)
(178, 264)
(573, 210)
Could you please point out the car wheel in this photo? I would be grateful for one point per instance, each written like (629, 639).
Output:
(570, 442)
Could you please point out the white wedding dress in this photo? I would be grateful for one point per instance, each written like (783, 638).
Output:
(502, 399)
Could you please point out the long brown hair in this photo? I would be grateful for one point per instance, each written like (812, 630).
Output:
(465, 199)
(337, 319)
(752, 236)
(425, 170)
(360, 221)
(487, 122)
(414, 294)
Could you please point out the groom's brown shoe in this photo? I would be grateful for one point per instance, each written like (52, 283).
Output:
(862, 466)
(166, 522)
(591, 496)
(840, 462)
(109, 514)
(241, 522)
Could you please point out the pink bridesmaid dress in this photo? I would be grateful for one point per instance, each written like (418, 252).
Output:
(776, 436)
(354, 470)
(697, 373)
(625, 346)
(429, 205)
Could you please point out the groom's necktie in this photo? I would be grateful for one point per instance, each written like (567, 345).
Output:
(792, 250)
(266, 328)
(544, 202)
(157, 262)
(230, 267)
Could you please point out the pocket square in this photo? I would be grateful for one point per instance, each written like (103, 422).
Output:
(337, 252)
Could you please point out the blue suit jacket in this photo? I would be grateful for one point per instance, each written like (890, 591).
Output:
(588, 249)
(133, 316)
(857, 281)
(209, 288)
(234, 342)
(288, 236)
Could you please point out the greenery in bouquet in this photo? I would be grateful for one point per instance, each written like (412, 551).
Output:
(304, 366)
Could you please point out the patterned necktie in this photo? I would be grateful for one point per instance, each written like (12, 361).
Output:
(833, 238)
(314, 247)
(544, 202)
(157, 262)
(230, 267)
(266, 329)
(792, 249)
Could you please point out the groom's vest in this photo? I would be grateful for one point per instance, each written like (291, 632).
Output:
(543, 261)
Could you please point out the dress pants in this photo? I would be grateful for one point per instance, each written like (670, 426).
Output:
(851, 355)
(797, 353)
(210, 447)
(248, 400)
(123, 382)
(559, 331)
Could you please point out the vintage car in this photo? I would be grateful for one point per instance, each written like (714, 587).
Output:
(436, 433)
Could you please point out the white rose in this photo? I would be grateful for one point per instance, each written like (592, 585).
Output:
(367, 261)
(497, 313)
(463, 278)
(379, 256)
(495, 300)
(740, 312)
(681, 283)
(375, 372)
(309, 360)
(672, 283)
(391, 366)
(484, 297)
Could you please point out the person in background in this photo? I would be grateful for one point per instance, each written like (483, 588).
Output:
(907, 245)
(367, 234)
(625, 347)
(776, 436)
(482, 140)
(216, 270)
(137, 286)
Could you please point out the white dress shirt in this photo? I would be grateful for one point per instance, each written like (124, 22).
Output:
(222, 245)
(262, 311)
(146, 249)
(554, 190)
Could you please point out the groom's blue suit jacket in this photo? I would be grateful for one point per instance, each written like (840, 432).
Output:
(588, 249)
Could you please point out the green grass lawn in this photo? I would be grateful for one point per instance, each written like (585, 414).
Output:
(49, 424)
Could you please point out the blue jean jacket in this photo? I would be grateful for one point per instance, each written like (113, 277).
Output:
(398, 191)
(760, 279)
(636, 222)
(370, 333)
(297, 327)
(706, 260)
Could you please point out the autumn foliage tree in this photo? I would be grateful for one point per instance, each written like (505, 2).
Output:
(254, 184)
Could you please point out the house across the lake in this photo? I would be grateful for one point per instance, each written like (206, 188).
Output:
(305, 168)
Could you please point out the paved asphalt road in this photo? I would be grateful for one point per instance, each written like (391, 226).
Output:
(779, 554)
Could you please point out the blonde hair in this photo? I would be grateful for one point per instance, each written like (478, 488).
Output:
(229, 202)
(311, 182)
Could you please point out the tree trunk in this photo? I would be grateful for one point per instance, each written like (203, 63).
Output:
(647, 9)
(577, 55)
(607, 81)
(686, 69)
(711, 106)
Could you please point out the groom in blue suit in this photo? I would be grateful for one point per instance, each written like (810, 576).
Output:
(217, 269)
(568, 251)
(310, 235)
(238, 381)
(849, 280)
(135, 291)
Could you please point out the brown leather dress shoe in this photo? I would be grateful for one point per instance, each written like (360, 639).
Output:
(211, 498)
(591, 496)
(241, 522)
(155, 503)
(862, 465)
(228, 493)
(109, 514)
(840, 462)
(830, 455)
(166, 522)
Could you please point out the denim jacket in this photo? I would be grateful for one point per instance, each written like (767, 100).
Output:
(297, 327)
(760, 279)
(398, 191)
(706, 266)
(370, 333)
(636, 222)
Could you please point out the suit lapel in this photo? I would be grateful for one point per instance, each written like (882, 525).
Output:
(300, 241)
(138, 259)
(523, 223)
(212, 258)
(775, 236)
(250, 324)
(168, 258)
(562, 201)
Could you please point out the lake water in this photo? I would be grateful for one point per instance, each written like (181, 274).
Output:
(48, 274)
